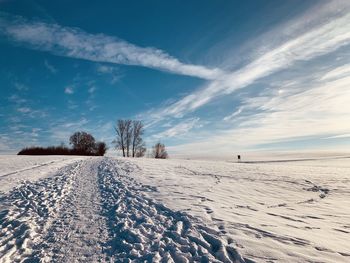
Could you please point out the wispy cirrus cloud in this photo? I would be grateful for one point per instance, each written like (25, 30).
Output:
(32, 113)
(339, 136)
(301, 107)
(20, 86)
(320, 109)
(75, 43)
(92, 89)
(112, 71)
(314, 108)
(319, 40)
(15, 98)
(24, 109)
(62, 129)
(341, 71)
(105, 69)
(179, 129)
(234, 114)
(50, 67)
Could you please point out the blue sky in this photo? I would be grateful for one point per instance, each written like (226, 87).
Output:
(206, 77)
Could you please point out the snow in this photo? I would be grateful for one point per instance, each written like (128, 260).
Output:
(89, 209)
(92, 210)
(284, 211)
(14, 169)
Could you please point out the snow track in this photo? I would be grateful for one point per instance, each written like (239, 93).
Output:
(28, 209)
(143, 230)
(78, 233)
(93, 211)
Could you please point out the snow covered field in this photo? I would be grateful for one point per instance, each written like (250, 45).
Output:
(68, 209)
(16, 169)
(284, 211)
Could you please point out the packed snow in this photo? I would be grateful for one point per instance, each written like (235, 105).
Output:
(103, 209)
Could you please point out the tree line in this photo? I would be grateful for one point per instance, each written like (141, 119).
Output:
(128, 141)
(82, 143)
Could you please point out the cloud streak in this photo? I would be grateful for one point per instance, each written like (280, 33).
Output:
(317, 108)
(319, 41)
(179, 129)
(320, 111)
(50, 67)
(75, 43)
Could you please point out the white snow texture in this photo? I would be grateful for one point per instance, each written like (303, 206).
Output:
(100, 209)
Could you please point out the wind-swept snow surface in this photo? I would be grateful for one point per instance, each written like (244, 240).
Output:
(98, 209)
(278, 211)
(92, 210)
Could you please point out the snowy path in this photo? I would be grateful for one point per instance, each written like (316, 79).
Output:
(93, 211)
(79, 232)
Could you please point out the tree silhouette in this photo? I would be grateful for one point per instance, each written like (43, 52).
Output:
(159, 151)
(129, 138)
(82, 142)
(101, 148)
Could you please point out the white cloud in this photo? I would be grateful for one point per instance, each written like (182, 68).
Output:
(35, 132)
(338, 72)
(104, 69)
(339, 136)
(20, 86)
(69, 90)
(50, 67)
(31, 113)
(24, 110)
(5, 147)
(113, 71)
(236, 113)
(61, 131)
(318, 111)
(78, 124)
(92, 89)
(72, 105)
(73, 42)
(180, 129)
(321, 40)
(314, 109)
(17, 99)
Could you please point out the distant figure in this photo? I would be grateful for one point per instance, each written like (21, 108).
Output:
(239, 158)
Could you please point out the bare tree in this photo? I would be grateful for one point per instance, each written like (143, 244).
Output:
(121, 136)
(128, 136)
(137, 142)
(159, 151)
(140, 150)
